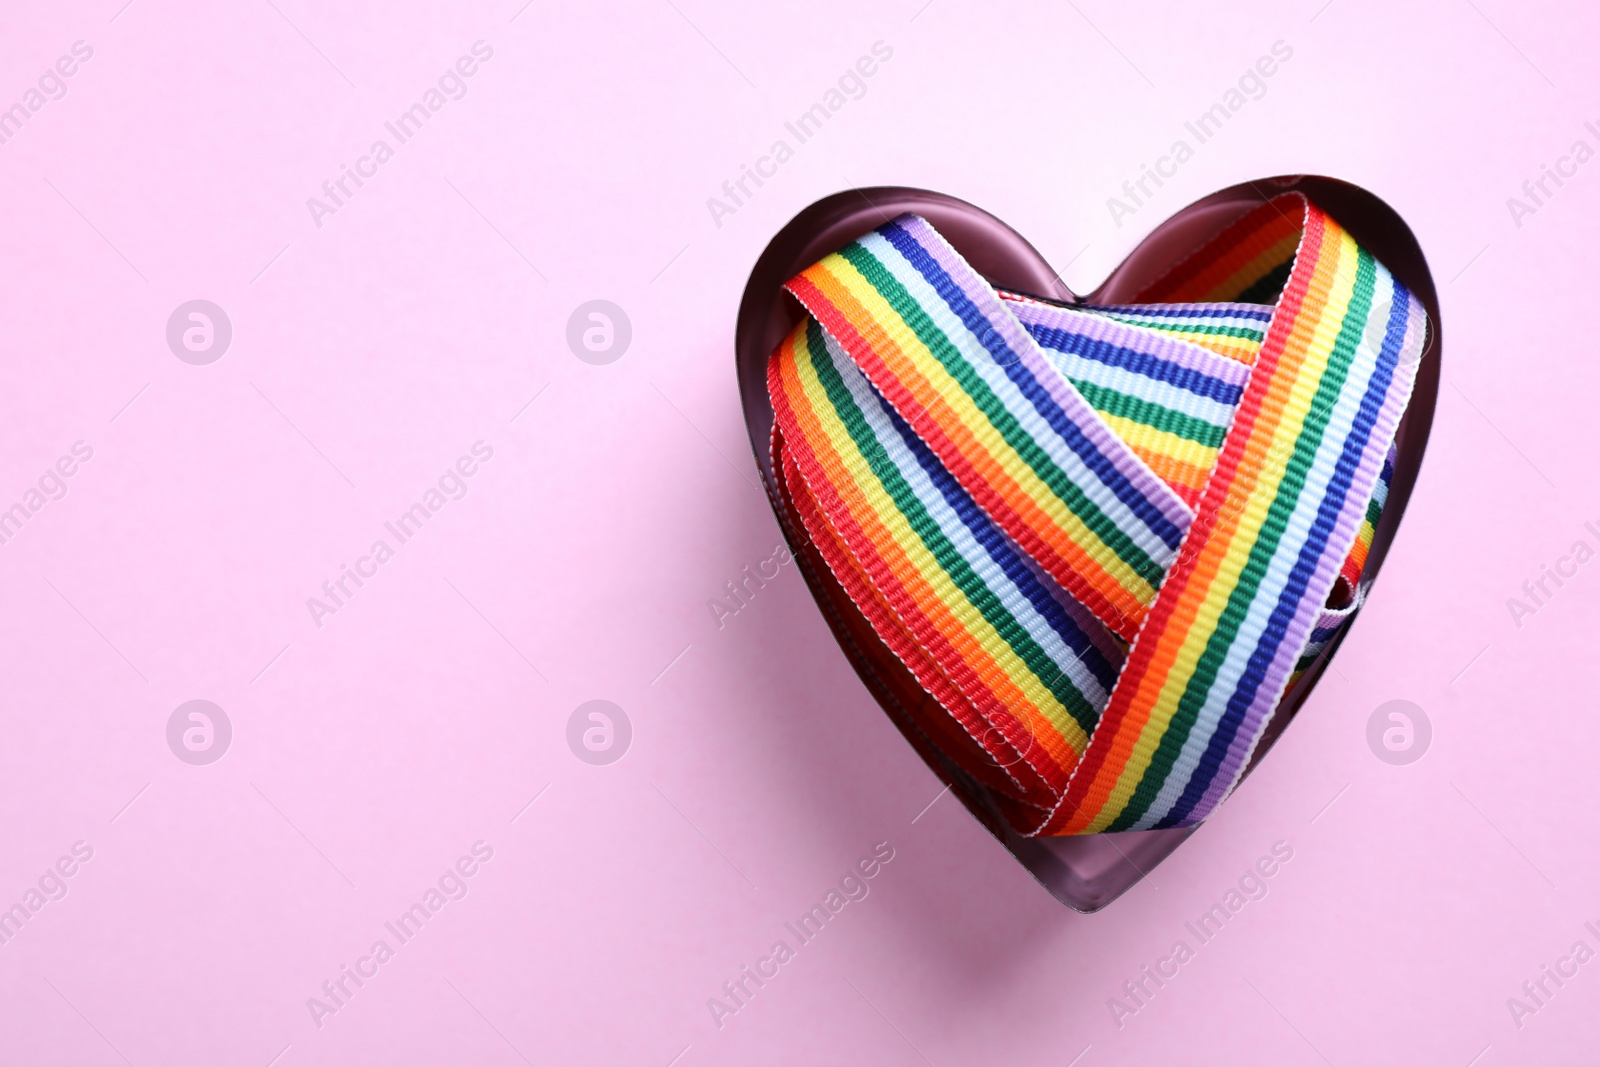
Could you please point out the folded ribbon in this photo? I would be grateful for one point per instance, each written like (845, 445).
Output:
(1102, 539)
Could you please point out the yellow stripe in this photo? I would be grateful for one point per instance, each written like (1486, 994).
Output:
(1317, 342)
(1044, 705)
(1238, 349)
(1143, 439)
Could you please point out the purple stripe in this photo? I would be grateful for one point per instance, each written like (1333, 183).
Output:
(1332, 618)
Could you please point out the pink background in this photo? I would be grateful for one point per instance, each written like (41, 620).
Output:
(369, 353)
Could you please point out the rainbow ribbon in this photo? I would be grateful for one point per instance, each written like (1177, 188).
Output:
(1103, 539)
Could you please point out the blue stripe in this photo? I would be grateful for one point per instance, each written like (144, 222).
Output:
(1141, 363)
(1327, 513)
(980, 326)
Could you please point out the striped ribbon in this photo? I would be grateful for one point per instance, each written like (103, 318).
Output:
(1103, 539)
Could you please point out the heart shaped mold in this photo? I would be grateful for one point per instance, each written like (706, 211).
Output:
(1084, 872)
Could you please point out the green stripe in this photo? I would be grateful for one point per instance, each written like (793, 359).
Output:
(1145, 413)
(927, 530)
(1307, 444)
(1374, 510)
(1022, 442)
